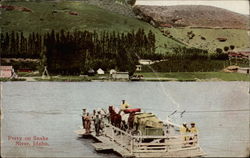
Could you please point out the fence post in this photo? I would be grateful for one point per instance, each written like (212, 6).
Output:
(131, 145)
(113, 134)
(166, 147)
(122, 140)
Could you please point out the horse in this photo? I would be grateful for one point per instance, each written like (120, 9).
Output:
(114, 117)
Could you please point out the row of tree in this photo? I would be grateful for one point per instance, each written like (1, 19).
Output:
(16, 45)
(75, 52)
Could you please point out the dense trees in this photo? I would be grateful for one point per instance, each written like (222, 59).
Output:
(15, 45)
(71, 53)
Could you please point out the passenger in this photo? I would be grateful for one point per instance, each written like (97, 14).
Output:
(94, 114)
(87, 119)
(101, 117)
(124, 105)
(184, 131)
(83, 120)
(97, 125)
(131, 120)
(194, 132)
(193, 129)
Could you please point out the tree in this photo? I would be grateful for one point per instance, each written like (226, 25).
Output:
(226, 48)
(131, 2)
(232, 47)
(218, 50)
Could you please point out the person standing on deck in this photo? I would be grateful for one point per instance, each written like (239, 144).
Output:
(194, 132)
(94, 115)
(124, 105)
(83, 120)
(184, 130)
(101, 117)
(87, 119)
(97, 125)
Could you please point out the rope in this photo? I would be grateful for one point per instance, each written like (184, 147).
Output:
(202, 111)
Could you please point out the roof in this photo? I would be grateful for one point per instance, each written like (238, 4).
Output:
(121, 72)
(5, 67)
(244, 68)
(99, 69)
(247, 50)
(233, 67)
(91, 71)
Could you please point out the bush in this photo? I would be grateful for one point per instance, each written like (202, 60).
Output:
(226, 48)
(232, 47)
(218, 50)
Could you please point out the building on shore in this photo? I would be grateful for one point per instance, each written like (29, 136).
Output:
(239, 54)
(145, 62)
(244, 70)
(234, 68)
(6, 71)
(112, 71)
(138, 67)
(100, 72)
(120, 75)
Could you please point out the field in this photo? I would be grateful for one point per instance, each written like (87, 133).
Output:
(45, 16)
(206, 38)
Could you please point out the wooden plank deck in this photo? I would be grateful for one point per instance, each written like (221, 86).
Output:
(121, 143)
(108, 144)
(104, 144)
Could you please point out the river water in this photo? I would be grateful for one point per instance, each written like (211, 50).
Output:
(52, 110)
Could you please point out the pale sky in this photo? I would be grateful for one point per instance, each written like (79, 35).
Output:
(239, 6)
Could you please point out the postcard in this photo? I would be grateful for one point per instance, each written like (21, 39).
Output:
(125, 78)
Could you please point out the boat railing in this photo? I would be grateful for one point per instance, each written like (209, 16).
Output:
(119, 136)
(165, 143)
(135, 144)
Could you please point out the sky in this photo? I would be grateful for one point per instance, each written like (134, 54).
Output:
(239, 6)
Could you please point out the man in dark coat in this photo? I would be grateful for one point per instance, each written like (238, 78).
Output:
(83, 120)
(97, 125)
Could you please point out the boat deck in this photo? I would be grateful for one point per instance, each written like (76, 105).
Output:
(114, 139)
(105, 144)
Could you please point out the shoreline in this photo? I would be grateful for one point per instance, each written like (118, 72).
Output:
(147, 77)
(150, 80)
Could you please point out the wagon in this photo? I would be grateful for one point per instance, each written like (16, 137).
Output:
(148, 124)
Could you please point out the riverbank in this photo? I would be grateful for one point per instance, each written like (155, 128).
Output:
(194, 76)
(147, 76)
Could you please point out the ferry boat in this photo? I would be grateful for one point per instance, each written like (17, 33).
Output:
(149, 137)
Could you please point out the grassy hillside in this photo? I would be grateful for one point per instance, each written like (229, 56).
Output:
(207, 38)
(71, 16)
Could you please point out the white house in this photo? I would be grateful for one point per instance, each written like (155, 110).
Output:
(145, 62)
(112, 71)
(244, 70)
(120, 75)
(138, 67)
(100, 71)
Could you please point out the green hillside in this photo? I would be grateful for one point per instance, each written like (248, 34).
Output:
(207, 38)
(45, 16)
